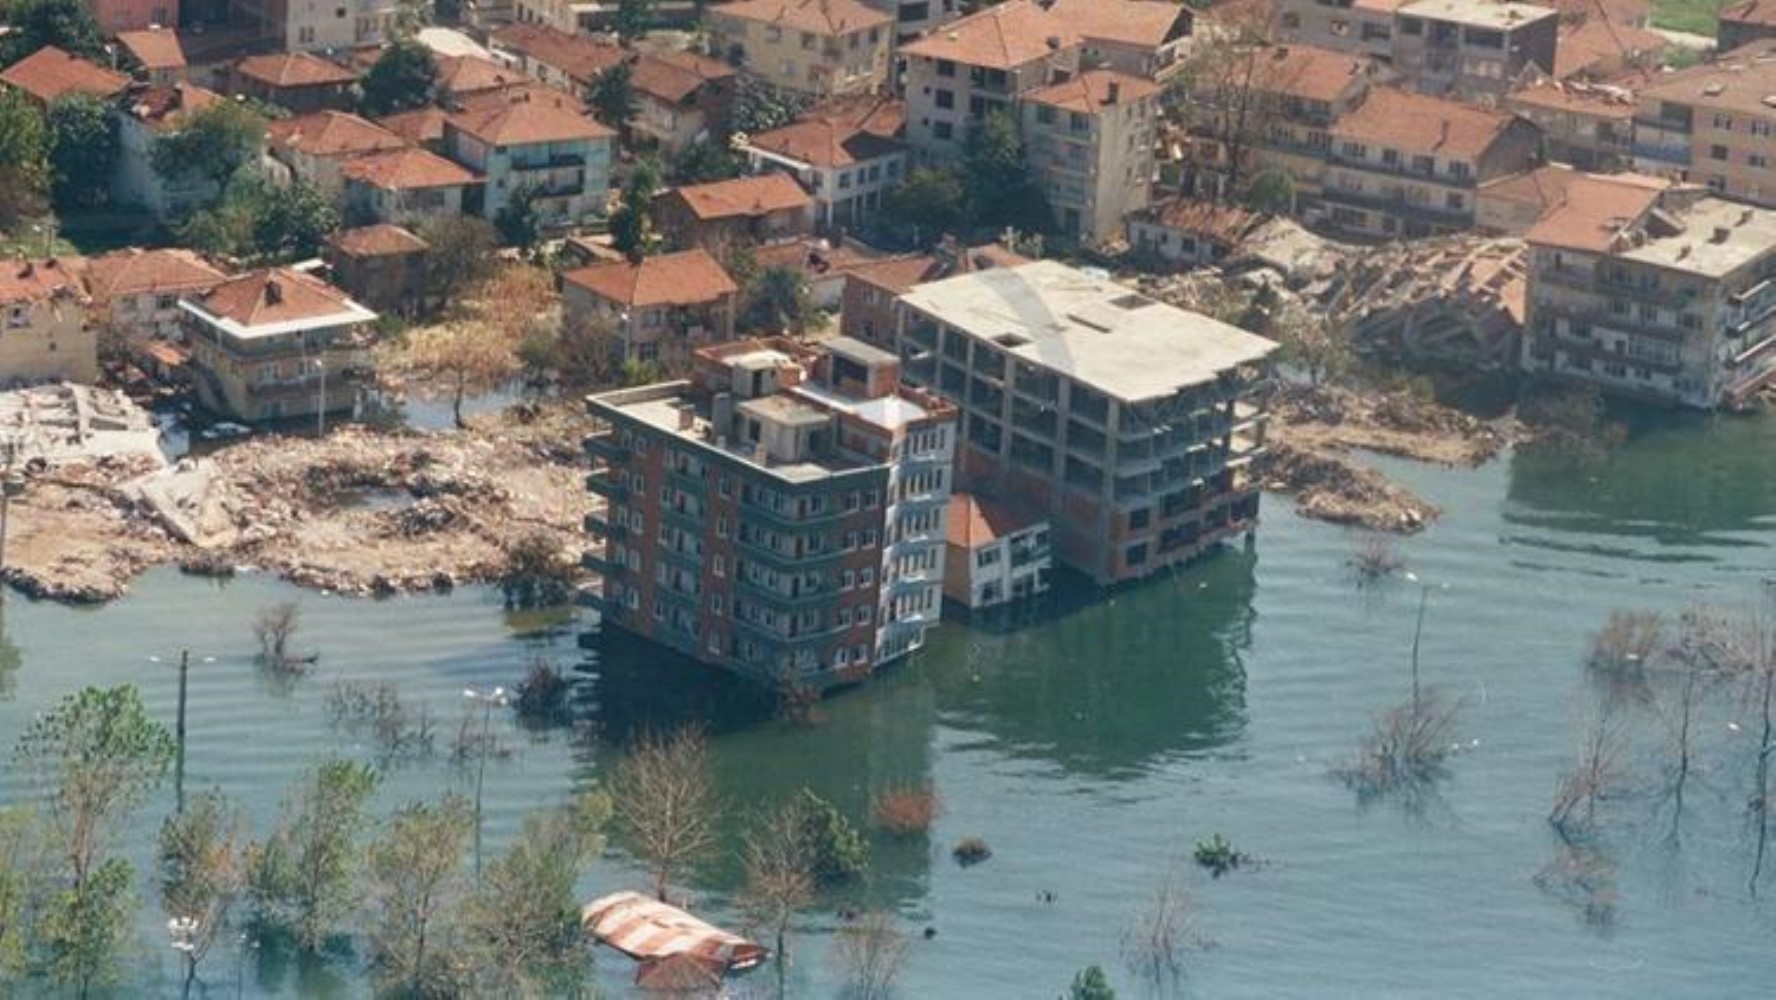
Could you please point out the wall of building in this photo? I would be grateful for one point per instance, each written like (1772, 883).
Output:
(803, 63)
(945, 98)
(331, 25)
(1096, 169)
(47, 341)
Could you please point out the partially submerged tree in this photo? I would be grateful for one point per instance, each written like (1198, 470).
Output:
(460, 255)
(1155, 944)
(274, 627)
(665, 803)
(201, 874)
(1091, 984)
(303, 880)
(536, 575)
(871, 952)
(417, 886)
(780, 876)
(1407, 749)
(465, 358)
(1597, 773)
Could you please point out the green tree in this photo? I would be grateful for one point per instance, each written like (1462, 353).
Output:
(631, 223)
(213, 145)
(518, 222)
(634, 18)
(24, 878)
(1091, 984)
(613, 99)
(66, 24)
(460, 255)
(706, 161)
(1000, 191)
(777, 299)
(523, 923)
(83, 150)
(303, 879)
(759, 107)
(291, 222)
(836, 851)
(199, 861)
(404, 77)
(24, 158)
(94, 757)
(1271, 191)
(931, 203)
(415, 873)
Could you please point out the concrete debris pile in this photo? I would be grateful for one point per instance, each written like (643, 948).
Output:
(1328, 487)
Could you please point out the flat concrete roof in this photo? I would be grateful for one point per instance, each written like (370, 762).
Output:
(659, 406)
(890, 412)
(1478, 13)
(784, 410)
(867, 355)
(1089, 329)
(1749, 233)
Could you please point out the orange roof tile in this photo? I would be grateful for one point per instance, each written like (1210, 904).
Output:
(899, 274)
(136, 271)
(154, 48)
(286, 70)
(274, 295)
(675, 76)
(743, 196)
(838, 140)
(378, 241)
(1596, 100)
(534, 91)
(580, 57)
(1416, 123)
(1586, 46)
(976, 520)
(49, 73)
(675, 279)
(163, 108)
(517, 123)
(1739, 80)
(421, 126)
(1002, 37)
(1615, 11)
(472, 75)
(1751, 12)
(826, 18)
(37, 280)
(1592, 212)
(1150, 23)
(1090, 92)
(876, 114)
(332, 133)
(1309, 73)
(407, 170)
(1224, 221)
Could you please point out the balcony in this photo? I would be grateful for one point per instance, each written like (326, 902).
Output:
(606, 447)
(560, 161)
(602, 485)
(595, 563)
(597, 524)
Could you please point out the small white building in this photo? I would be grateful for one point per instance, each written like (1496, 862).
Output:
(996, 553)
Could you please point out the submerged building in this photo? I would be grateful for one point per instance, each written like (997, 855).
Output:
(780, 514)
(1130, 424)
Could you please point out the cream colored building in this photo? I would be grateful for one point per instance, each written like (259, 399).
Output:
(324, 25)
(821, 48)
(46, 336)
(1089, 142)
(1712, 125)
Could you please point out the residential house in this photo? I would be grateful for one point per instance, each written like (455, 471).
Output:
(406, 187)
(1191, 232)
(1712, 125)
(276, 344)
(557, 157)
(660, 308)
(1467, 48)
(1089, 141)
(1512, 206)
(565, 61)
(316, 25)
(135, 293)
(157, 54)
(816, 48)
(422, 127)
(996, 552)
(382, 266)
(916, 18)
(460, 76)
(48, 337)
(49, 73)
(847, 154)
(740, 212)
(1655, 294)
(1587, 125)
(822, 264)
(1598, 50)
(681, 98)
(1145, 38)
(149, 114)
(116, 17)
(299, 82)
(977, 66)
(779, 515)
(316, 147)
(587, 17)
(1130, 424)
(1745, 22)
(869, 303)
(1409, 165)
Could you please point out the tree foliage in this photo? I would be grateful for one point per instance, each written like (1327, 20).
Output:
(66, 24)
(706, 161)
(264, 222)
(83, 150)
(404, 77)
(777, 299)
(417, 886)
(1091, 984)
(780, 878)
(460, 255)
(665, 803)
(303, 880)
(199, 863)
(836, 851)
(1000, 190)
(634, 18)
(931, 203)
(631, 225)
(213, 145)
(462, 356)
(613, 98)
(759, 107)
(518, 222)
(24, 158)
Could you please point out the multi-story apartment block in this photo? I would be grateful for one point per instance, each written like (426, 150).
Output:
(780, 515)
(277, 343)
(1129, 423)
(1409, 165)
(568, 62)
(1588, 125)
(558, 158)
(316, 25)
(1089, 141)
(820, 48)
(1471, 47)
(974, 67)
(660, 308)
(1355, 27)
(1663, 294)
(47, 335)
(913, 18)
(847, 154)
(1145, 38)
(1711, 125)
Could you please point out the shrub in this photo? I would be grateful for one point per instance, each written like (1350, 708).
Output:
(1375, 558)
(1627, 642)
(971, 851)
(836, 851)
(1218, 855)
(542, 694)
(906, 812)
(535, 575)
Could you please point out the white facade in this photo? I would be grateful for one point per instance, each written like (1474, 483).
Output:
(323, 25)
(913, 553)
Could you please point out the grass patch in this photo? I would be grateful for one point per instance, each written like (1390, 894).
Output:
(1695, 16)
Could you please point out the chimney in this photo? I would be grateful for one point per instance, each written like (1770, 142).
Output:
(274, 292)
(1443, 134)
(721, 413)
(1114, 93)
(1054, 43)
(687, 418)
(1720, 234)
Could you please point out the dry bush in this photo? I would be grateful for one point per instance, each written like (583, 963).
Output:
(1375, 559)
(1627, 643)
(871, 952)
(1408, 747)
(1598, 772)
(377, 709)
(907, 812)
(542, 694)
(274, 628)
(1154, 945)
(1583, 879)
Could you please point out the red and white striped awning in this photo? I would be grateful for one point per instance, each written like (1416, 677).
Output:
(647, 929)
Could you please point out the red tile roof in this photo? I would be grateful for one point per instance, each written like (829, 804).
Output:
(976, 520)
(154, 48)
(136, 271)
(1589, 46)
(274, 295)
(163, 108)
(581, 58)
(332, 133)
(1227, 222)
(421, 126)
(521, 122)
(1751, 12)
(675, 279)
(1312, 74)
(472, 75)
(1011, 34)
(1091, 92)
(826, 18)
(289, 70)
(1596, 100)
(1416, 123)
(49, 73)
(1147, 23)
(839, 139)
(37, 280)
(675, 76)
(378, 241)
(1591, 212)
(744, 196)
(407, 170)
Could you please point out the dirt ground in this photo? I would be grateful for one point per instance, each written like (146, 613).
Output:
(359, 512)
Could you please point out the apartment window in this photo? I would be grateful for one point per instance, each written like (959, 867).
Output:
(867, 577)
(1460, 171)
(721, 527)
(1140, 519)
(1723, 122)
(1045, 114)
(715, 642)
(987, 557)
(1717, 152)
(807, 41)
(943, 130)
(1137, 554)
(1292, 21)
(1758, 160)
(844, 616)
(847, 580)
(1390, 157)
(945, 99)
(1760, 129)
(718, 566)
(864, 614)
(1453, 201)
(946, 68)
(1354, 150)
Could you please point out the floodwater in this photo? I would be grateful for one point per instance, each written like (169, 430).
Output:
(1093, 749)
